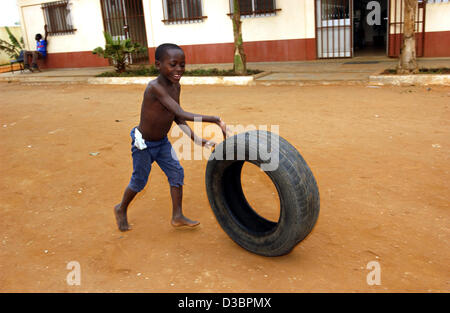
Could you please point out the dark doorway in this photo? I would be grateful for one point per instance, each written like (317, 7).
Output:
(125, 19)
(370, 27)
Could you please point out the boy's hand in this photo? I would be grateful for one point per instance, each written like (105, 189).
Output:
(208, 143)
(223, 126)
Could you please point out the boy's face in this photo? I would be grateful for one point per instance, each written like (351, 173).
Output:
(38, 37)
(172, 65)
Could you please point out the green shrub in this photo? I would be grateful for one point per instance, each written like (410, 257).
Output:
(12, 48)
(118, 51)
(152, 71)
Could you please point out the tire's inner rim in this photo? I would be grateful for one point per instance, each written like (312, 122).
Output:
(238, 205)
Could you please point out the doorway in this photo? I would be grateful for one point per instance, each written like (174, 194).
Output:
(334, 29)
(370, 31)
(125, 19)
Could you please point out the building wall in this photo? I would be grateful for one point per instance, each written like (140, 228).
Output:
(436, 42)
(69, 50)
(288, 35)
(437, 27)
(17, 32)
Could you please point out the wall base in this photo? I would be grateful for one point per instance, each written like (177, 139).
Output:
(257, 51)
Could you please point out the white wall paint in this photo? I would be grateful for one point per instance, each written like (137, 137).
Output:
(437, 17)
(294, 21)
(86, 17)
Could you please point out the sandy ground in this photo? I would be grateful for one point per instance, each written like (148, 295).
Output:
(380, 157)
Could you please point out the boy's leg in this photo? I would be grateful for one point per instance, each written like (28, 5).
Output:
(120, 210)
(178, 219)
(36, 55)
(170, 165)
(142, 164)
(26, 62)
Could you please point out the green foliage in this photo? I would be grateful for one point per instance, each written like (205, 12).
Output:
(13, 47)
(141, 71)
(152, 71)
(118, 51)
(441, 70)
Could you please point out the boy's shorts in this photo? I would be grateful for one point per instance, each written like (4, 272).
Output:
(160, 151)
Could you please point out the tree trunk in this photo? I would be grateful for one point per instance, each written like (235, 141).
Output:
(407, 62)
(239, 63)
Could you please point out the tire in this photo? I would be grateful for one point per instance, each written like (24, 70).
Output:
(294, 181)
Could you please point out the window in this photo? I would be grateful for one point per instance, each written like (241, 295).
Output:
(251, 8)
(57, 17)
(436, 1)
(182, 11)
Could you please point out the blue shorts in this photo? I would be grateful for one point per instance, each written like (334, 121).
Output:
(160, 151)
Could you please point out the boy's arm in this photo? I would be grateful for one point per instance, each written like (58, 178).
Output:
(173, 107)
(46, 32)
(188, 131)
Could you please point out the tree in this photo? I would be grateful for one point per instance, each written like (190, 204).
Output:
(407, 63)
(118, 50)
(239, 61)
(13, 47)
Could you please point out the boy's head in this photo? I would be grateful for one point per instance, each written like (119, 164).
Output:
(38, 37)
(170, 61)
(163, 49)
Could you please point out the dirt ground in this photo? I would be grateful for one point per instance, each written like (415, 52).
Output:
(380, 157)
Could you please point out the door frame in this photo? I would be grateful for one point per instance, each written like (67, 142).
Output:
(143, 58)
(334, 28)
(395, 39)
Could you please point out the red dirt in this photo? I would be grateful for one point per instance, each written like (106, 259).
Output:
(380, 157)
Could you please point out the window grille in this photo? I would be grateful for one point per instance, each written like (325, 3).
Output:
(182, 11)
(57, 17)
(252, 8)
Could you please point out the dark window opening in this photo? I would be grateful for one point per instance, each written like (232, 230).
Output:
(57, 17)
(251, 8)
(182, 11)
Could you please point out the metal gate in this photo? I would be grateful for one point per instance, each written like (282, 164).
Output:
(334, 29)
(396, 21)
(125, 19)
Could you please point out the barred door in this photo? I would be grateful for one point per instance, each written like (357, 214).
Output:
(396, 21)
(334, 29)
(125, 19)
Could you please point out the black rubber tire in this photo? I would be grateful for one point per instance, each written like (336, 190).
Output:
(294, 181)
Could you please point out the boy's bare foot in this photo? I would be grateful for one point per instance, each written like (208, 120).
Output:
(121, 219)
(183, 221)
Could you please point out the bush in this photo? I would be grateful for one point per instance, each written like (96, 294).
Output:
(441, 70)
(13, 47)
(152, 71)
(118, 51)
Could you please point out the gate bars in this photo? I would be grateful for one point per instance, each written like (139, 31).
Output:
(334, 29)
(125, 19)
(396, 22)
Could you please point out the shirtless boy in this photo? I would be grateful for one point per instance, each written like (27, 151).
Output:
(160, 108)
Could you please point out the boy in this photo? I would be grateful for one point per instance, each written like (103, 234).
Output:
(160, 108)
(41, 52)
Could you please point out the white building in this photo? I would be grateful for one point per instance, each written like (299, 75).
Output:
(273, 30)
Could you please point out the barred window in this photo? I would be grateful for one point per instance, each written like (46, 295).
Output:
(250, 8)
(437, 1)
(182, 11)
(57, 17)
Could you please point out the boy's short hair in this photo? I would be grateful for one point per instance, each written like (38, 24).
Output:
(38, 36)
(162, 49)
